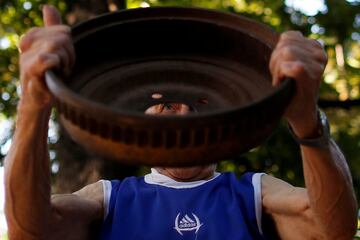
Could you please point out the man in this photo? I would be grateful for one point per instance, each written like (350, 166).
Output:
(326, 209)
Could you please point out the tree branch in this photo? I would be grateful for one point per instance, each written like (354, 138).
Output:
(347, 104)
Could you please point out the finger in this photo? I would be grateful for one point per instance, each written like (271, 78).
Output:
(27, 39)
(58, 29)
(59, 44)
(287, 53)
(320, 50)
(70, 52)
(36, 66)
(56, 48)
(30, 37)
(293, 52)
(51, 16)
(288, 35)
(65, 62)
(305, 53)
(316, 43)
(62, 40)
(306, 46)
(47, 61)
(66, 52)
(291, 42)
(295, 38)
(292, 69)
(291, 38)
(281, 68)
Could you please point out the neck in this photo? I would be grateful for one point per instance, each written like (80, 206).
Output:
(188, 174)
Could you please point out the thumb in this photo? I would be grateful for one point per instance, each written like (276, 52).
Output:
(51, 16)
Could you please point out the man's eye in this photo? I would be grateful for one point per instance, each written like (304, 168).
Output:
(168, 106)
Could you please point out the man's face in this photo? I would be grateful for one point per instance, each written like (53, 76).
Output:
(193, 173)
(169, 109)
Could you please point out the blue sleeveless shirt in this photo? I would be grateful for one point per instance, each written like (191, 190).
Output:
(222, 208)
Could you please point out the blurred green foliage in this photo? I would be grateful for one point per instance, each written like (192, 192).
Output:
(336, 26)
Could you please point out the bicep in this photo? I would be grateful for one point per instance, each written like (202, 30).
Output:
(289, 209)
(93, 192)
(73, 214)
(280, 197)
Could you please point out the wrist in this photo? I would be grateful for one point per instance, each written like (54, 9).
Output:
(320, 135)
(35, 95)
(32, 120)
(26, 107)
(306, 125)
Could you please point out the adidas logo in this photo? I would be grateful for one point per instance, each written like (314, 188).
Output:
(187, 223)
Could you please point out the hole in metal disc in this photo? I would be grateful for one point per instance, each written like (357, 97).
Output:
(169, 109)
(156, 95)
(203, 101)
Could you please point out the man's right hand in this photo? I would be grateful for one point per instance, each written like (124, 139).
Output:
(44, 48)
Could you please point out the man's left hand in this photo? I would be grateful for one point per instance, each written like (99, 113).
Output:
(304, 60)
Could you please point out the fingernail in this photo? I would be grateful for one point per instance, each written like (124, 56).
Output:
(47, 7)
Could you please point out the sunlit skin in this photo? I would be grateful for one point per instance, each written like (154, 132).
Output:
(182, 174)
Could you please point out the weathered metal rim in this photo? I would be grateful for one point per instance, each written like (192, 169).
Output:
(225, 19)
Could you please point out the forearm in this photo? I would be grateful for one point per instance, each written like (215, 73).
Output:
(330, 200)
(27, 176)
(330, 191)
(328, 181)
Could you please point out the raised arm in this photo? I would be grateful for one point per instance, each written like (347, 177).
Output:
(326, 209)
(29, 211)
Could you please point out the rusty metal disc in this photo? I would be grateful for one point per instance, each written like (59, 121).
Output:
(216, 63)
